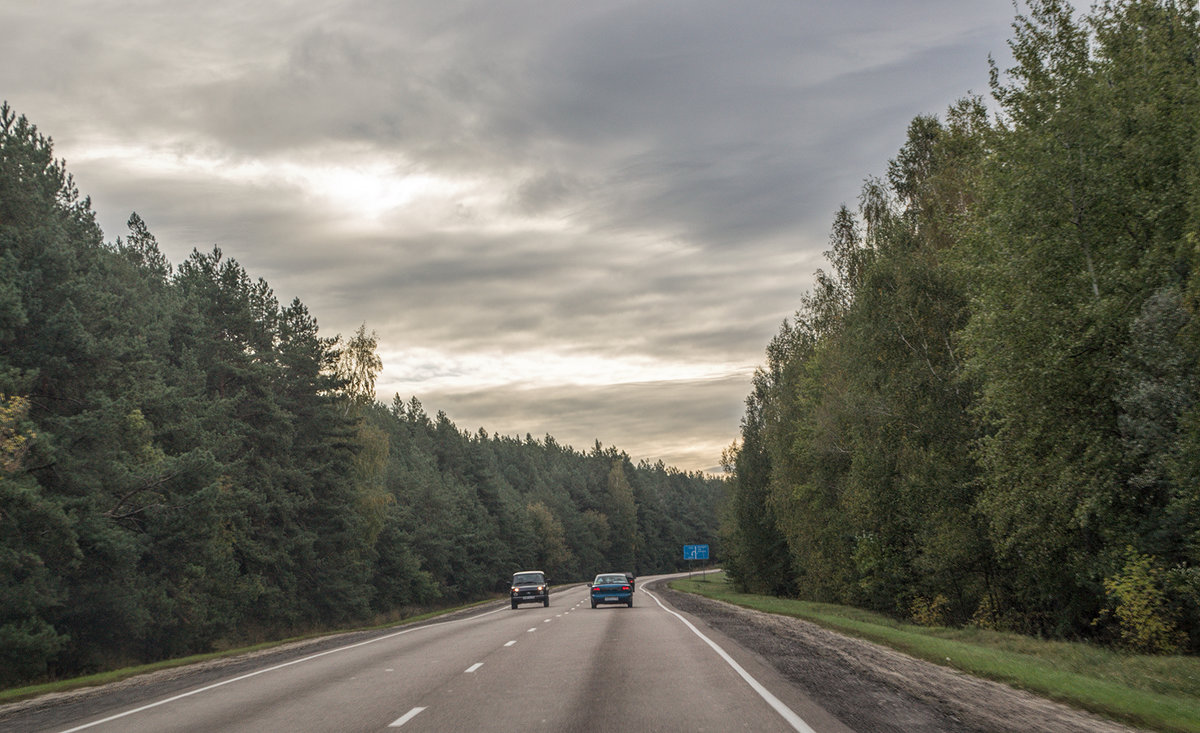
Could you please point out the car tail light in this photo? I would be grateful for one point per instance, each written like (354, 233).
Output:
(624, 587)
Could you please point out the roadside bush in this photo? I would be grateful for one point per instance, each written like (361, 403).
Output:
(1183, 592)
(930, 611)
(1138, 602)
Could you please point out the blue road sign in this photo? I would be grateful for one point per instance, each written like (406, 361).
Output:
(695, 552)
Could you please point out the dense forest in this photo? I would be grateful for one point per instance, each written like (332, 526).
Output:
(187, 464)
(986, 411)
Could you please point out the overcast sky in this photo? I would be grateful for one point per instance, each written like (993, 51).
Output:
(583, 219)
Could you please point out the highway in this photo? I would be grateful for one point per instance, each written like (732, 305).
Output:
(567, 667)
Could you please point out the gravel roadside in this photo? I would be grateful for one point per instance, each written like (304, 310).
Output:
(873, 688)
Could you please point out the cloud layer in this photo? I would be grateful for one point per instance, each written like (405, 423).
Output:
(581, 219)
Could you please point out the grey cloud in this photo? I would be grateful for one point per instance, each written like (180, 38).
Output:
(665, 418)
(546, 191)
(697, 152)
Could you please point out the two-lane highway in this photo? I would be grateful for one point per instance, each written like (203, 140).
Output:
(562, 668)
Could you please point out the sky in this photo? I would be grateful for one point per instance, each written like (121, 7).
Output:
(577, 219)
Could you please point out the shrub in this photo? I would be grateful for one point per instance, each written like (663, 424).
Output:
(1138, 602)
(930, 611)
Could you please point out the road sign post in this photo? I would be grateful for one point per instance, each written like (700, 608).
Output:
(695, 552)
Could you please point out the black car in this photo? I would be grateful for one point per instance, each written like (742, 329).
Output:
(530, 586)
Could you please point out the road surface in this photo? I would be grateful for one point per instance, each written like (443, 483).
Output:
(567, 667)
(673, 662)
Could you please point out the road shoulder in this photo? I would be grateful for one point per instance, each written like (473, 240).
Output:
(871, 687)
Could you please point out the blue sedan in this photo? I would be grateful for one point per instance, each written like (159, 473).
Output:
(612, 588)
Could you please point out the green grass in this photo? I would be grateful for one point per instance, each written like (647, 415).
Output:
(101, 678)
(1162, 693)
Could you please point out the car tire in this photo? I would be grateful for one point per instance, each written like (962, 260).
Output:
(593, 604)
(514, 604)
(546, 603)
(631, 603)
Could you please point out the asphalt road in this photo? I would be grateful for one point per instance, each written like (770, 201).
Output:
(564, 668)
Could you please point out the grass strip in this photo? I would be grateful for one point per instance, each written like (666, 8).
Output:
(1161, 693)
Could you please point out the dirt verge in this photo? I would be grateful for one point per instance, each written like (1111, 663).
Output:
(873, 688)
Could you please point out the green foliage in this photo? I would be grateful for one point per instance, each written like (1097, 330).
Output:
(858, 426)
(993, 391)
(1138, 603)
(551, 553)
(758, 554)
(35, 538)
(358, 365)
(930, 611)
(622, 518)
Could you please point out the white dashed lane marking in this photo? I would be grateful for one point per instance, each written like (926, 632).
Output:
(406, 717)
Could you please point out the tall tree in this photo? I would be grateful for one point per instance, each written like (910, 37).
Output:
(622, 518)
(1087, 214)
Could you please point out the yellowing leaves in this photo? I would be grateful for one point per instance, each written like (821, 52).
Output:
(15, 438)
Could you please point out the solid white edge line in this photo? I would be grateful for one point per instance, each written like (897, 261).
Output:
(405, 718)
(784, 711)
(474, 667)
(222, 683)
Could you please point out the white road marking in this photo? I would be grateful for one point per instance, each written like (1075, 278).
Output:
(514, 641)
(311, 657)
(546, 621)
(530, 631)
(784, 711)
(406, 717)
(474, 667)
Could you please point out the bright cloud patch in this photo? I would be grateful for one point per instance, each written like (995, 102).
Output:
(419, 371)
(362, 189)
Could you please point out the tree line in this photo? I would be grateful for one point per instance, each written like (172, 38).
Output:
(986, 410)
(187, 464)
